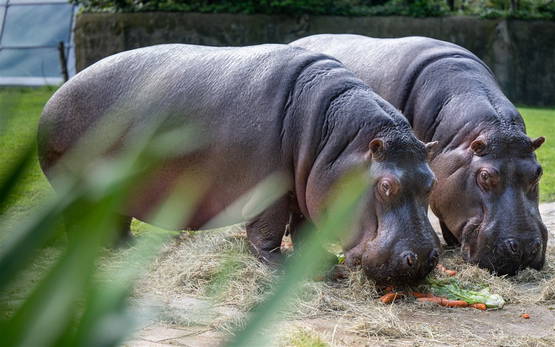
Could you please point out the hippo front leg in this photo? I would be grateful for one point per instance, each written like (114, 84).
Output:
(265, 232)
(299, 228)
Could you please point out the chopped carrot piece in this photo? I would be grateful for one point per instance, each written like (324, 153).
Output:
(479, 306)
(525, 316)
(443, 302)
(454, 303)
(420, 295)
(435, 299)
(390, 297)
(445, 270)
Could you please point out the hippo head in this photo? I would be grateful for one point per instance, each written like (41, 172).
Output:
(395, 242)
(392, 238)
(487, 199)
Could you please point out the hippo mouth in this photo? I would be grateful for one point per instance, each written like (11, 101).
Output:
(385, 276)
(488, 254)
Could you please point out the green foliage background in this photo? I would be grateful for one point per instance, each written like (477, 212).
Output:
(526, 9)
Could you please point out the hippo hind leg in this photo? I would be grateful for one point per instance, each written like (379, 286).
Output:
(448, 236)
(265, 232)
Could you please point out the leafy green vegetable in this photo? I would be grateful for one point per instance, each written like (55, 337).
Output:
(340, 258)
(452, 290)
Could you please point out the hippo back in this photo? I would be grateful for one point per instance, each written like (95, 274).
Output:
(407, 70)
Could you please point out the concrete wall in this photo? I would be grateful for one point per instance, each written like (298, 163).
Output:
(521, 53)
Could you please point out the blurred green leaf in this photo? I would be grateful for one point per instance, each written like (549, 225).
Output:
(306, 262)
(15, 173)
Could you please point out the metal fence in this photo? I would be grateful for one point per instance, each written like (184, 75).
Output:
(31, 32)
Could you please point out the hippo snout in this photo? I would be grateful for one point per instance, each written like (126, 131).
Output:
(411, 262)
(513, 254)
(400, 267)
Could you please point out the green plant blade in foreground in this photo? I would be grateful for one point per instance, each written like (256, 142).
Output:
(50, 308)
(303, 264)
(15, 173)
(67, 307)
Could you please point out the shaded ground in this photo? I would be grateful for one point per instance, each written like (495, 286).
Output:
(194, 319)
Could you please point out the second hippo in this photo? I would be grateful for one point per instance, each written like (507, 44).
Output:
(486, 198)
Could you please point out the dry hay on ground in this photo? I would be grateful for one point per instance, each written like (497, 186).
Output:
(216, 266)
(526, 287)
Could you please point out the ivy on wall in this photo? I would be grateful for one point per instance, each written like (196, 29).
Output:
(414, 8)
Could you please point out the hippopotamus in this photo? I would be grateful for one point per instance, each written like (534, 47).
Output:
(486, 197)
(261, 110)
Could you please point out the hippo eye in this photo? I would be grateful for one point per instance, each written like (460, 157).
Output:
(537, 176)
(487, 178)
(387, 187)
(539, 173)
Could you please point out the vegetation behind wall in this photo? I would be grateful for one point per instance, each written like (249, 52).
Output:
(415, 8)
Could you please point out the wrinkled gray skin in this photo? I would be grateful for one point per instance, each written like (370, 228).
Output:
(487, 192)
(266, 109)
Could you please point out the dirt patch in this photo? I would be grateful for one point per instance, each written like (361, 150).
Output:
(204, 284)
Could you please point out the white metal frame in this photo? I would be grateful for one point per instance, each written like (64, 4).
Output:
(38, 80)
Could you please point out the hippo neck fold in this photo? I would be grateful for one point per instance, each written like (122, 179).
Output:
(305, 122)
(329, 126)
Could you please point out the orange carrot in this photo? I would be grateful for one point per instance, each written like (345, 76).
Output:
(445, 270)
(525, 316)
(444, 302)
(454, 303)
(479, 306)
(390, 297)
(420, 295)
(435, 299)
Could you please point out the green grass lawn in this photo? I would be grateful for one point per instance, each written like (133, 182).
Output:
(20, 109)
(541, 122)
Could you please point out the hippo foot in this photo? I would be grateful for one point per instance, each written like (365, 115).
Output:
(274, 260)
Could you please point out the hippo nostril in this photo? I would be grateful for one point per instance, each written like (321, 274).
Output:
(513, 245)
(535, 246)
(410, 258)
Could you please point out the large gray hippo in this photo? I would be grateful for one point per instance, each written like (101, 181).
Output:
(487, 193)
(266, 109)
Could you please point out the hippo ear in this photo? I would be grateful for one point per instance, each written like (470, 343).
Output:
(478, 146)
(376, 148)
(536, 143)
